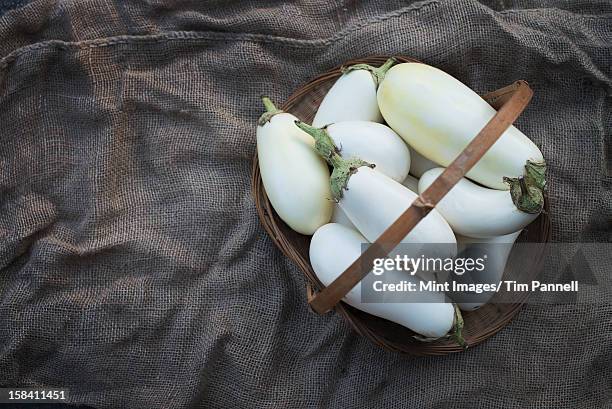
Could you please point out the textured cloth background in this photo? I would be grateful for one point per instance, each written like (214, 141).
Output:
(133, 268)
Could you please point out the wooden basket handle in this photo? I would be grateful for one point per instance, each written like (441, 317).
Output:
(511, 101)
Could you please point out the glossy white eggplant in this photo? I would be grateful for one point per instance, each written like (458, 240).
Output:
(334, 248)
(476, 211)
(295, 178)
(353, 96)
(373, 202)
(438, 116)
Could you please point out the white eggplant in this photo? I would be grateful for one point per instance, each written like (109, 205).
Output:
(353, 96)
(295, 178)
(411, 183)
(476, 211)
(374, 143)
(338, 215)
(438, 116)
(419, 164)
(334, 248)
(373, 201)
(497, 250)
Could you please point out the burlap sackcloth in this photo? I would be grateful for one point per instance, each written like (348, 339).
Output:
(133, 268)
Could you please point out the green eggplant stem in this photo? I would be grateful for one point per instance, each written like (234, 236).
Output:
(535, 173)
(271, 110)
(270, 107)
(382, 70)
(327, 149)
(457, 334)
(324, 144)
(378, 73)
(527, 191)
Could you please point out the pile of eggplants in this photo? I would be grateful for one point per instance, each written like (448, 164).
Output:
(381, 136)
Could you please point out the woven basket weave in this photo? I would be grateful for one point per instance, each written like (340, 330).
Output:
(479, 325)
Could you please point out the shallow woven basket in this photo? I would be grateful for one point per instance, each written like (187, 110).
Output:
(479, 325)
